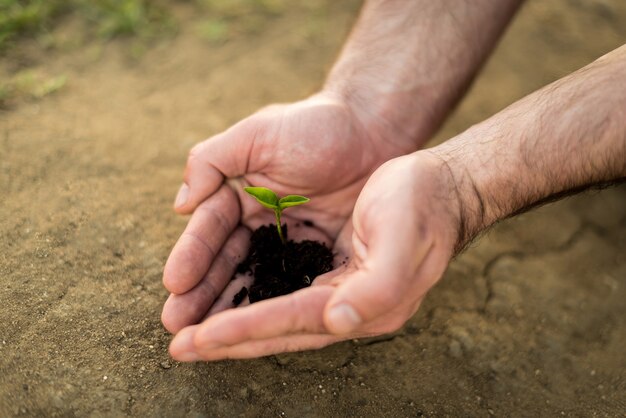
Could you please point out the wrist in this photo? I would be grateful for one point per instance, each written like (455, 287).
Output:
(395, 117)
(444, 198)
(463, 192)
(517, 160)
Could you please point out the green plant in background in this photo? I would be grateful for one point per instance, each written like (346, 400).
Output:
(213, 30)
(127, 17)
(108, 18)
(230, 19)
(36, 85)
(269, 199)
(220, 20)
(26, 16)
(240, 8)
(29, 84)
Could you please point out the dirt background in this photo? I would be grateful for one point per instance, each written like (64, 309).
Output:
(530, 321)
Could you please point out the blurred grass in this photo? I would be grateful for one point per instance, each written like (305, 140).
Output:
(108, 18)
(216, 21)
(29, 84)
(143, 18)
(20, 17)
(222, 19)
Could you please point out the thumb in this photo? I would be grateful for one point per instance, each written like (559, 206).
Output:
(380, 284)
(209, 162)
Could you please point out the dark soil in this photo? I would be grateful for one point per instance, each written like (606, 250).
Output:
(279, 268)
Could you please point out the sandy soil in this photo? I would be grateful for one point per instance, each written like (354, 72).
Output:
(528, 322)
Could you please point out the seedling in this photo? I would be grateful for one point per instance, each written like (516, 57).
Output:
(270, 200)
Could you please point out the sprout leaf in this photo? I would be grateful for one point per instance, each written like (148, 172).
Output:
(264, 196)
(292, 200)
(270, 200)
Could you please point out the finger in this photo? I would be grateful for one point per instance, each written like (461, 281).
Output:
(298, 312)
(182, 348)
(378, 286)
(209, 227)
(262, 348)
(190, 308)
(335, 276)
(210, 161)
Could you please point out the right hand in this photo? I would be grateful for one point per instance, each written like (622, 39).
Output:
(317, 147)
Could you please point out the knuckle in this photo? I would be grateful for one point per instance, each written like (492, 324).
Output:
(255, 126)
(304, 315)
(194, 152)
(209, 291)
(196, 246)
(192, 157)
(199, 150)
(225, 223)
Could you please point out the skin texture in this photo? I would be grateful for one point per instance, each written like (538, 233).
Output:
(321, 123)
(407, 63)
(441, 199)
(385, 282)
(324, 147)
(565, 138)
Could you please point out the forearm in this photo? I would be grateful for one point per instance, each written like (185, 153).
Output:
(407, 63)
(566, 137)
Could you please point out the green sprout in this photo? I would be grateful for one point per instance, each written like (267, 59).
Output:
(270, 200)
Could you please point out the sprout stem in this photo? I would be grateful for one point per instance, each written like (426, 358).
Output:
(278, 227)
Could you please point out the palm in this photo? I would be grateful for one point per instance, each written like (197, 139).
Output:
(316, 148)
(382, 286)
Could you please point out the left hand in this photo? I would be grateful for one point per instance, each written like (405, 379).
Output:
(403, 233)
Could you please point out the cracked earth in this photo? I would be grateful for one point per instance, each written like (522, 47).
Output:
(529, 321)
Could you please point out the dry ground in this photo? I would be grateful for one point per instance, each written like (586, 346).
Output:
(528, 322)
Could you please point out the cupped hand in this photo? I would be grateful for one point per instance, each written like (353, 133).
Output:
(400, 239)
(317, 147)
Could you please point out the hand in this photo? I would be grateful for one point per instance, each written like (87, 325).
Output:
(402, 235)
(317, 147)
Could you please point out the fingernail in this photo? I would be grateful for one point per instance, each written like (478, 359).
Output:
(343, 318)
(182, 196)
